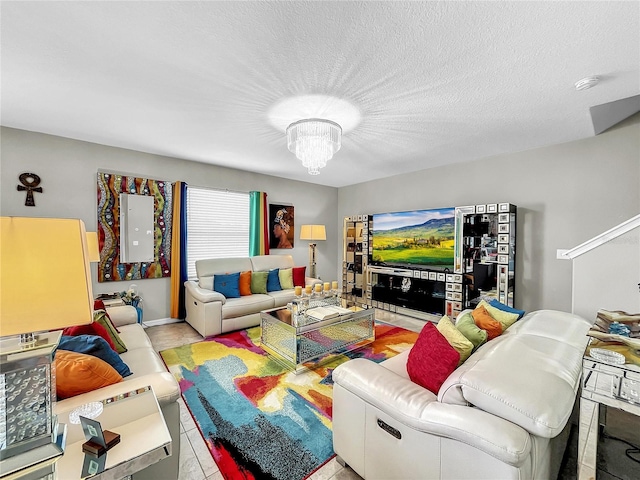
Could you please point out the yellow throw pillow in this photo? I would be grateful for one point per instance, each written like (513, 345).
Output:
(285, 276)
(78, 373)
(455, 338)
(506, 319)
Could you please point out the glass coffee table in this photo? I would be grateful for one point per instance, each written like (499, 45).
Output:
(302, 343)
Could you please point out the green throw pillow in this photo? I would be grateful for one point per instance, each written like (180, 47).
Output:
(466, 325)
(455, 338)
(506, 319)
(286, 278)
(259, 282)
(101, 317)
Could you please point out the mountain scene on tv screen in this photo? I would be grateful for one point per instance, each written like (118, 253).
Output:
(430, 243)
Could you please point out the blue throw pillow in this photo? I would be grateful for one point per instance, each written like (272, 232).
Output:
(506, 308)
(273, 280)
(97, 347)
(227, 284)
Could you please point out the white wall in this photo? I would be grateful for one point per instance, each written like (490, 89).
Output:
(68, 169)
(566, 194)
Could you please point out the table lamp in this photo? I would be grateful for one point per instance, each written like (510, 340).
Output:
(312, 232)
(45, 286)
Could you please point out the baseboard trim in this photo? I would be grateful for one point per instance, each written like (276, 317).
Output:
(161, 321)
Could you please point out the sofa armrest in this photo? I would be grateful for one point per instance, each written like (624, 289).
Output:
(203, 295)
(312, 281)
(122, 315)
(419, 409)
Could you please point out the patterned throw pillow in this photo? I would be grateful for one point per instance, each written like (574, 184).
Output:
(486, 322)
(285, 275)
(259, 282)
(78, 373)
(227, 284)
(431, 360)
(455, 338)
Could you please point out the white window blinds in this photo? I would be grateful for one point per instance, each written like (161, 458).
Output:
(217, 225)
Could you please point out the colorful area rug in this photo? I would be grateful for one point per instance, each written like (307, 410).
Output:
(259, 420)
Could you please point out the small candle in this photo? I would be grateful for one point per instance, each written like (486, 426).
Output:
(307, 289)
(298, 291)
(327, 286)
(334, 285)
(318, 287)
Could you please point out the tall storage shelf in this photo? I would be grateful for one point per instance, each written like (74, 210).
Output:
(356, 256)
(484, 266)
(485, 252)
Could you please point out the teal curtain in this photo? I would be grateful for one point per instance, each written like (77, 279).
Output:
(258, 224)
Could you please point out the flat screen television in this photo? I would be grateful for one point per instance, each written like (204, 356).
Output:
(417, 238)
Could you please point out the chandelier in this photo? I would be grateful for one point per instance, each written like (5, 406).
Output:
(314, 141)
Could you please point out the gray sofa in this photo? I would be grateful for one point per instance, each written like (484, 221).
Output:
(211, 313)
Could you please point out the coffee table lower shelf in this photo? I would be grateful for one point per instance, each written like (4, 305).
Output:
(302, 347)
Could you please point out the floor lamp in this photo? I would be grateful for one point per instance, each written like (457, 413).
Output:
(46, 286)
(313, 233)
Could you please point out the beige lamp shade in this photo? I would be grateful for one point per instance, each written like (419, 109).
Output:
(313, 232)
(92, 244)
(45, 278)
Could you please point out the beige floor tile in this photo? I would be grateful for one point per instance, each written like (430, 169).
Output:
(327, 471)
(202, 453)
(186, 420)
(189, 466)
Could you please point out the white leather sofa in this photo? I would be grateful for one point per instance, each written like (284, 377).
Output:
(502, 414)
(211, 313)
(147, 369)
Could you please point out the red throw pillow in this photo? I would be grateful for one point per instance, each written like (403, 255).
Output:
(431, 360)
(299, 276)
(486, 322)
(91, 329)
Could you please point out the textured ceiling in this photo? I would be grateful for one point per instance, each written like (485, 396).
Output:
(415, 84)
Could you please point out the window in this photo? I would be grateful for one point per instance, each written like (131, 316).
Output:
(217, 225)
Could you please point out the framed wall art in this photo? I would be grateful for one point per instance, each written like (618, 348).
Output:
(282, 230)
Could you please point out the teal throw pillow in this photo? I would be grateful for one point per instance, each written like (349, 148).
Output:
(273, 280)
(506, 308)
(227, 284)
(259, 282)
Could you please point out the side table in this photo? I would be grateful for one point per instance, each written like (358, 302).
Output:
(145, 439)
(603, 385)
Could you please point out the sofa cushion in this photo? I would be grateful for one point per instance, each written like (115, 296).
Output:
(78, 373)
(269, 262)
(273, 282)
(455, 338)
(91, 329)
(285, 275)
(466, 325)
(431, 360)
(228, 284)
(282, 297)
(245, 283)
(299, 274)
(486, 322)
(101, 317)
(96, 346)
(135, 337)
(259, 282)
(237, 307)
(506, 308)
(506, 319)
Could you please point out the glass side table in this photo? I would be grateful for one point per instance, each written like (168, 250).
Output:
(144, 439)
(603, 385)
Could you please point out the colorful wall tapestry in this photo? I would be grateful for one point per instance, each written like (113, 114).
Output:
(110, 186)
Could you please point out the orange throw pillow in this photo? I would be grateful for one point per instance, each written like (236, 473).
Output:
(78, 373)
(245, 283)
(486, 322)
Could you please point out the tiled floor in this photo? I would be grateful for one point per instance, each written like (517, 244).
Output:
(196, 462)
